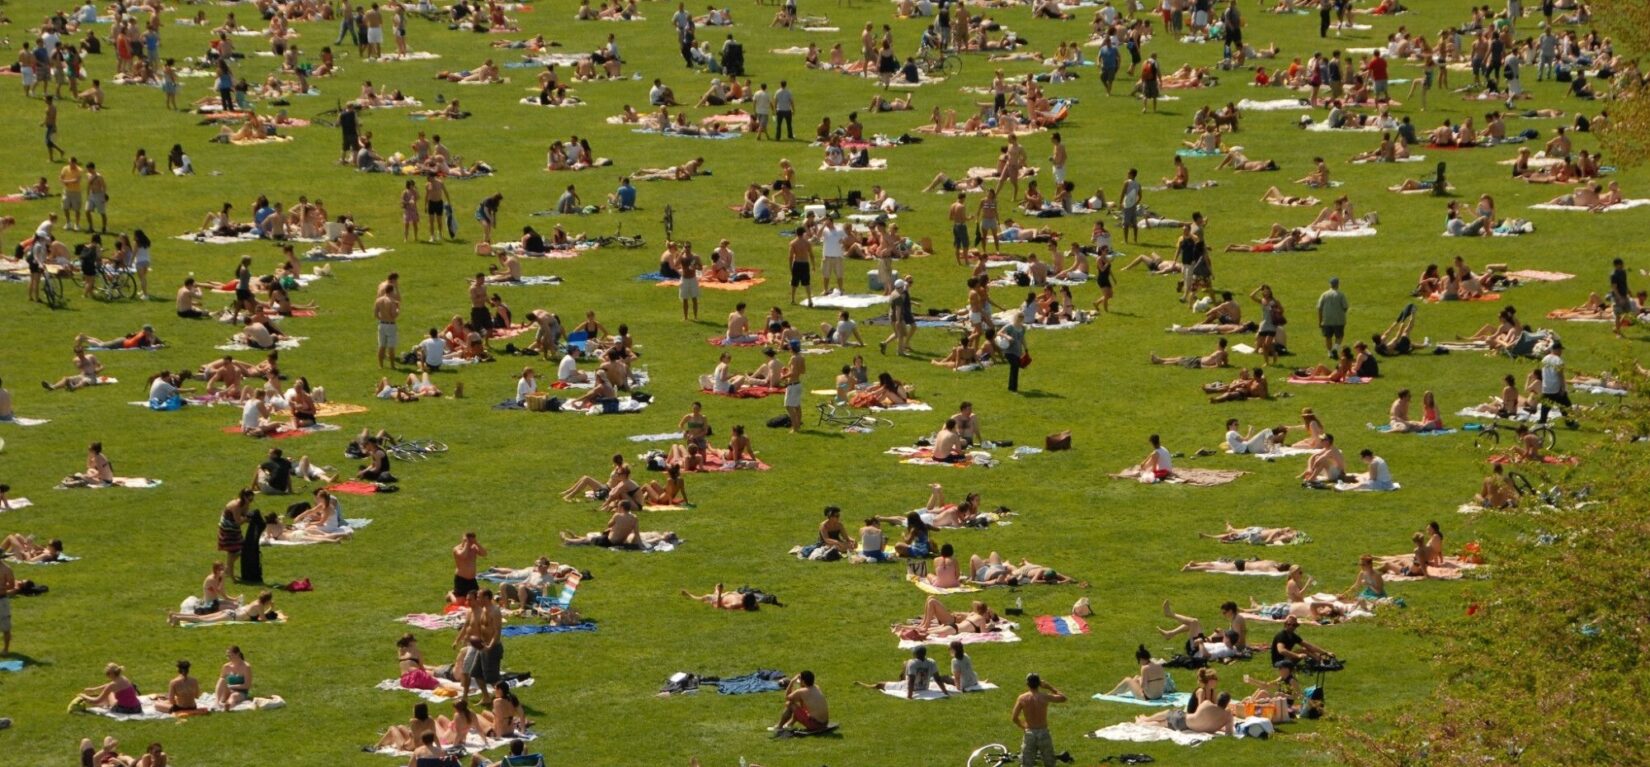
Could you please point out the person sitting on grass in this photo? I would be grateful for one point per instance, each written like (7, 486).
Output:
(182, 693)
(1150, 683)
(118, 694)
(1497, 490)
(1327, 465)
(805, 706)
(916, 675)
(87, 366)
(726, 600)
(621, 531)
(673, 492)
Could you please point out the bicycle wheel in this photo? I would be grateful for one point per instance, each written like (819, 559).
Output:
(1520, 483)
(407, 456)
(127, 283)
(1491, 435)
(432, 446)
(989, 756)
(951, 66)
(1549, 437)
(109, 287)
(53, 288)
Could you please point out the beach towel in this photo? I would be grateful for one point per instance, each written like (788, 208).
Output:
(61, 559)
(280, 617)
(287, 432)
(1464, 346)
(408, 56)
(1307, 380)
(897, 690)
(1169, 699)
(910, 406)
(626, 405)
(715, 462)
(21, 421)
(1272, 105)
(352, 524)
(544, 628)
(11, 665)
(1359, 487)
(320, 254)
(1132, 732)
(999, 636)
(876, 164)
(441, 694)
(1271, 573)
(1284, 451)
(331, 409)
(529, 280)
(1357, 231)
(678, 134)
(1452, 569)
(1276, 612)
(1183, 476)
(236, 345)
(1537, 275)
(924, 456)
(1370, 128)
(929, 588)
(475, 743)
(131, 483)
(1061, 625)
(1188, 152)
(839, 300)
(1623, 205)
(13, 504)
(748, 392)
(1386, 428)
(669, 436)
(206, 702)
(1551, 460)
(353, 487)
(435, 621)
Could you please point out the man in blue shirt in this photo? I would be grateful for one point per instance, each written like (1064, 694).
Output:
(624, 198)
(1108, 64)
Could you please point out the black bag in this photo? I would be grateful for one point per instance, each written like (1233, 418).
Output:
(780, 422)
(553, 404)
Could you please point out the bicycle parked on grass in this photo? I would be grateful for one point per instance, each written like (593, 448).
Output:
(51, 288)
(413, 450)
(1491, 434)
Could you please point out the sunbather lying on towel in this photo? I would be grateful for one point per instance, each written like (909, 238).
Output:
(261, 609)
(23, 548)
(1238, 565)
(1250, 384)
(727, 600)
(938, 621)
(1259, 536)
(1209, 717)
(993, 571)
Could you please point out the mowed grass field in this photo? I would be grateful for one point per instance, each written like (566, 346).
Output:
(143, 551)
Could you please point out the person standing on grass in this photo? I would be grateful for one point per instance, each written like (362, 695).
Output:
(802, 265)
(71, 177)
(688, 265)
(761, 109)
(349, 126)
(1012, 341)
(50, 124)
(400, 28)
(1057, 159)
(465, 555)
(959, 227)
(1553, 386)
(792, 374)
(1109, 59)
(487, 214)
(987, 215)
(97, 197)
(387, 309)
(435, 204)
(8, 587)
(1030, 714)
(1128, 203)
(784, 108)
(1332, 308)
(409, 211)
(374, 19)
(1621, 299)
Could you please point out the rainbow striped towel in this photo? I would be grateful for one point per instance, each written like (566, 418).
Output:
(1061, 625)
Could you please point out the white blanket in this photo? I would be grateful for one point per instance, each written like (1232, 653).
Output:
(206, 702)
(1623, 205)
(897, 690)
(394, 685)
(876, 164)
(236, 345)
(1271, 105)
(1131, 732)
(1359, 231)
(846, 301)
(320, 254)
(352, 524)
(21, 421)
(13, 504)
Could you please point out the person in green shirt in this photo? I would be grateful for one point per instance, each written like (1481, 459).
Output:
(1332, 306)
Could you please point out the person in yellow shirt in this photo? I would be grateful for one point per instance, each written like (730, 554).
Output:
(70, 177)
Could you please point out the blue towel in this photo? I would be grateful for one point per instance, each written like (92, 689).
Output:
(11, 665)
(652, 277)
(762, 680)
(1171, 699)
(523, 630)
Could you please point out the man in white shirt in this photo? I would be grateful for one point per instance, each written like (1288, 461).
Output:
(1258, 443)
(762, 108)
(1158, 465)
(831, 238)
(567, 371)
(1552, 381)
(431, 350)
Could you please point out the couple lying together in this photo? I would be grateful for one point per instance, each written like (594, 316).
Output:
(938, 621)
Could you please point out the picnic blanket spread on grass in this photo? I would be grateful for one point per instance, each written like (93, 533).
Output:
(21, 421)
(132, 483)
(353, 487)
(1132, 732)
(475, 743)
(287, 432)
(352, 524)
(1193, 477)
(13, 504)
(440, 694)
(897, 690)
(939, 591)
(1003, 634)
(924, 456)
(838, 300)
(207, 703)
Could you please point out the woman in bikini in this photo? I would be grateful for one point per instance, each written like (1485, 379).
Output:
(589, 484)
(24, 549)
(235, 677)
(406, 737)
(1149, 684)
(262, 609)
(739, 447)
(915, 543)
(938, 621)
(672, 493)
(1259, 536)
(456, 730)
(945, 574)
(1368, 583)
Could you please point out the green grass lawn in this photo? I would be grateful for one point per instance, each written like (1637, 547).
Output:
(145, 550)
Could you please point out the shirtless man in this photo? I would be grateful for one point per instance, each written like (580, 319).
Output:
(622, 531)
(967, 424)
(805, 706)
(387, 309)
(802, 264)
(464, 566)
(8, 587)
(948, 445)
(480, 317)
(791, 376)
(181, 692)
(959, 227)
(435, 205)
(1211, 717)
(1030, 714)
(1326, 465)
(1215, 359)
(739, 325)
(688, 265)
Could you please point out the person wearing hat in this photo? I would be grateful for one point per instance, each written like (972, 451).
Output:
(1030, 714)
(1332, 309)
(901, 317)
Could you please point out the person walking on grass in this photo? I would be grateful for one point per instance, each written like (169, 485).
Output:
(1012, 341)
(1030, 714)
(1332, 308)
(50, 123)
(784, 108)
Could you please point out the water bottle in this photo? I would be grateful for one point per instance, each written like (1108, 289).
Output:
(1020, 604)
(743, 763)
